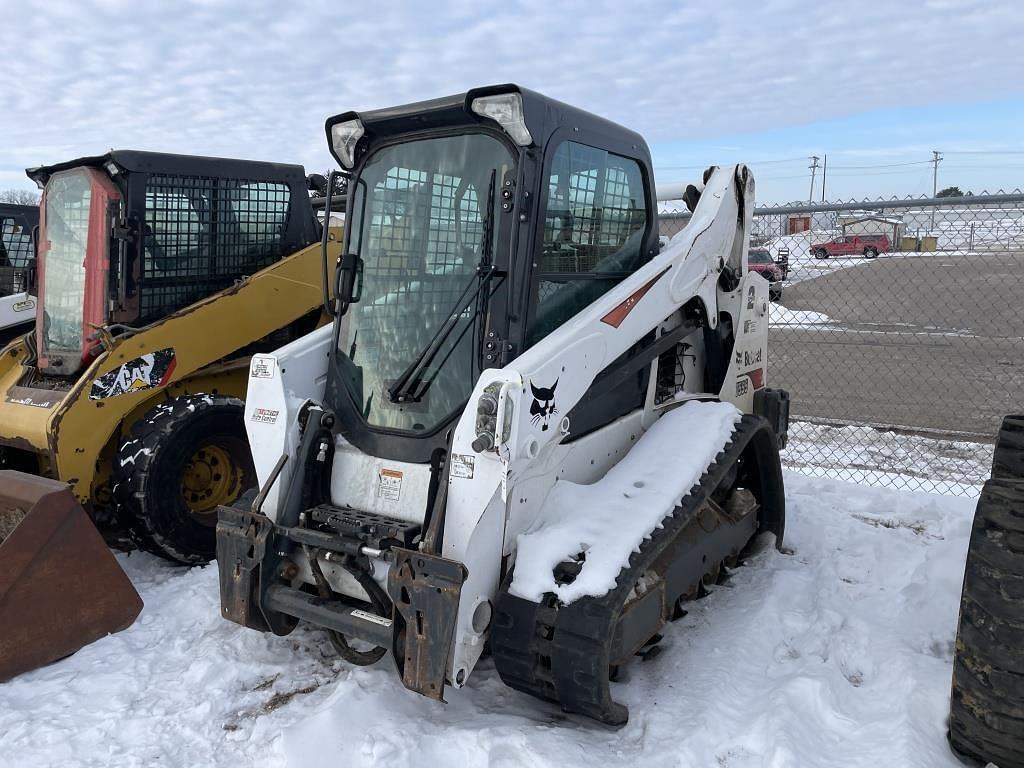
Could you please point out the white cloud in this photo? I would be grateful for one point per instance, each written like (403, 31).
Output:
(257, 80)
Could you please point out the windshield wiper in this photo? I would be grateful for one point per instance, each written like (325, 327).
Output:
(407, 387)
(404, 388)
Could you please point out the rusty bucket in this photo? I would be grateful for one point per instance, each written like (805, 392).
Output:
(60, 586)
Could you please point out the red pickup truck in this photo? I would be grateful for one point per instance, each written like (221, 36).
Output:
(852, 245)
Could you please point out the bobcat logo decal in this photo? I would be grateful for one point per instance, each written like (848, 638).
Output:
(543, 406)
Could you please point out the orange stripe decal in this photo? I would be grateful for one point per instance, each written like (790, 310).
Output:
(617, 315)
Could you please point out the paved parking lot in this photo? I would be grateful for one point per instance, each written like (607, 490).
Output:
(931, 342)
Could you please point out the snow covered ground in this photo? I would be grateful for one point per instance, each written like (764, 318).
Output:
(834, 652)
(780, 315)
(862, 454)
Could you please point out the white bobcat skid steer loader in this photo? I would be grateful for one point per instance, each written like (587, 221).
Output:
(527, 425)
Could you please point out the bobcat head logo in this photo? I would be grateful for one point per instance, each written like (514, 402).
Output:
(543, 406)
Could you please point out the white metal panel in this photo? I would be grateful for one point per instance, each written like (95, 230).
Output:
(397, 489)
(16, 309)
(279, 385)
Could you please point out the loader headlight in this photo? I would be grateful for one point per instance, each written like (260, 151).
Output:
(506, 109)
(344, 137)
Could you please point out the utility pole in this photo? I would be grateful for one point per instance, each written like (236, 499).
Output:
(814, 172)
(824, 170)
(936, 157)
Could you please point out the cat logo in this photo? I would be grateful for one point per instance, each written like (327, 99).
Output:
(145, 372)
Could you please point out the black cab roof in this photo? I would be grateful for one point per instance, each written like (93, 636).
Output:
(543, 115)
(136, 161)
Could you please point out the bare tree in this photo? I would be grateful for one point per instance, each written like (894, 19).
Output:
(19, 197)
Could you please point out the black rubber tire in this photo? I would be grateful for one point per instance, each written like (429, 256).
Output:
(870, 253)
(987, 704)
(820, 253)
(147, 476)
(1008, 457)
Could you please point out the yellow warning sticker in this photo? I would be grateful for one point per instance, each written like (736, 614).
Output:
(389, 484)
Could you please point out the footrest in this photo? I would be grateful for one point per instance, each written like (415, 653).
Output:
(370, 528)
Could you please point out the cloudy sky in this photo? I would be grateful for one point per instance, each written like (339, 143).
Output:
(875, 85)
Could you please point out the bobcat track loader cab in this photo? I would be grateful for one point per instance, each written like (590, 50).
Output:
(17, 269)
(525, 426)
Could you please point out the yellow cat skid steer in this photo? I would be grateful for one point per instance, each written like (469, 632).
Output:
(158, 278)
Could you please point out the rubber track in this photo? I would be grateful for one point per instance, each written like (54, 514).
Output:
(987, 703)
(562, 653)
(1008, 457)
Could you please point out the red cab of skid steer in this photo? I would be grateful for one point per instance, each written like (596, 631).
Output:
(60, 586)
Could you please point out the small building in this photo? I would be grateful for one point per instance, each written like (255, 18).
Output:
(872, 224)
(798, 222)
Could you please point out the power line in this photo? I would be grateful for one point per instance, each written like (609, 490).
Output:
(884, 165)
(745, 162)
(984, 152)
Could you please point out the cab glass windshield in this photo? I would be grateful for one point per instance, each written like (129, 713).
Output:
(66, 229)
(422, 223)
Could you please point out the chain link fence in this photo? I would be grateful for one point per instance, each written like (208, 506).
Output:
(898, 328)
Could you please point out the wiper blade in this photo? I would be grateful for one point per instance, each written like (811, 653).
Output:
(404, 388)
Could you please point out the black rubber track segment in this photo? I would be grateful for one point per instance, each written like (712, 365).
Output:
(1008, 458)
(563, 653)
(987, 702)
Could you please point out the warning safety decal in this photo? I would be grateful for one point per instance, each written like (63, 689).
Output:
(389, 484)
(147, 372)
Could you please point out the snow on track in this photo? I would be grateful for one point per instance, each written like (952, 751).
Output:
(632, 499)
(836, 653)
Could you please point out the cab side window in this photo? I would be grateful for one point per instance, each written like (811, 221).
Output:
(594, 224)
(16, 249)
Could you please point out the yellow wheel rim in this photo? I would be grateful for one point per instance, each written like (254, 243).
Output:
(210, 478)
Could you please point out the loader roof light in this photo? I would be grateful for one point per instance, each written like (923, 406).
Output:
(112, 168)
(344, 137)
(506, 109)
